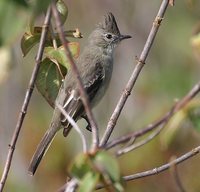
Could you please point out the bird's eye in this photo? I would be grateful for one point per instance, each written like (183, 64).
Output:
(108, 36)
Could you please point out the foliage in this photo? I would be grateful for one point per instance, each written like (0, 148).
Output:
(101, 167)
(91, 169)
(55, 64)
(14, 15)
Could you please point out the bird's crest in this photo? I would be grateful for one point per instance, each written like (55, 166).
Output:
(109, 24)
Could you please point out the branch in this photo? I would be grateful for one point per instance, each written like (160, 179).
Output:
(164, 167)
(175, 174)
(160, 169)
(73, 123)
(140, 64)
(74, 68)
(140, 143)
(26, 100)
(162, 121)
(70, 186)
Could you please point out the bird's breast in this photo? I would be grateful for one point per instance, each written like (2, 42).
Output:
(107, 63)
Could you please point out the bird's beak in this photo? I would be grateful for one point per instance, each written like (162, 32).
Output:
(122, 37)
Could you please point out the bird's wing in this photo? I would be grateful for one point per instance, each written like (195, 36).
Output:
(95, 82)
(73, 104)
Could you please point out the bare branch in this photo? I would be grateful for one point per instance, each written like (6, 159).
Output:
(140, 132)
(74, 124)
(26, 100)
(95, 132)
(140, 143)
(162, 168)
(162, 121)
(70, 186)
(140, 64)
(174, 171)
(53, 36)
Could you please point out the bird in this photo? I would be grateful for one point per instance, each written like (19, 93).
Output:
(95, 66)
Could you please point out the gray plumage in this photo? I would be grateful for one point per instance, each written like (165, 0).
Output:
(95, 66)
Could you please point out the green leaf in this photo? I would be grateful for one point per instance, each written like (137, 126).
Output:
(81, 166)
(108, 165)
(12, 21)
(63, 10)
(59, 55)
(119, 187)
(32, 37)
(49, 80)
(29, 40)
(53, 69)
(89, 181)
(94, 168)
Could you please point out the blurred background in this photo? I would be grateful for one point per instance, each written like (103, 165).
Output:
(171, 69)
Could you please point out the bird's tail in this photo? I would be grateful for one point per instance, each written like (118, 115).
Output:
(56, 124)
(41, 149)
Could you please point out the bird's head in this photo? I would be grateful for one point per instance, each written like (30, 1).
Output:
(107, 33)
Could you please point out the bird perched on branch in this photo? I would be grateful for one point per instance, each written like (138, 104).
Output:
(95, 65)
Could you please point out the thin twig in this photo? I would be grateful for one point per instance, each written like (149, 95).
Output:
(95, 134)
(164, 167)
(140, 63)
(26, 100)
(141, 132)
(174, 171)
(71, 33)
(162, 121)
(160, 169)
(73, 123)
(140, 143)
(156, 132)
(53, 36)
(70, 186)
